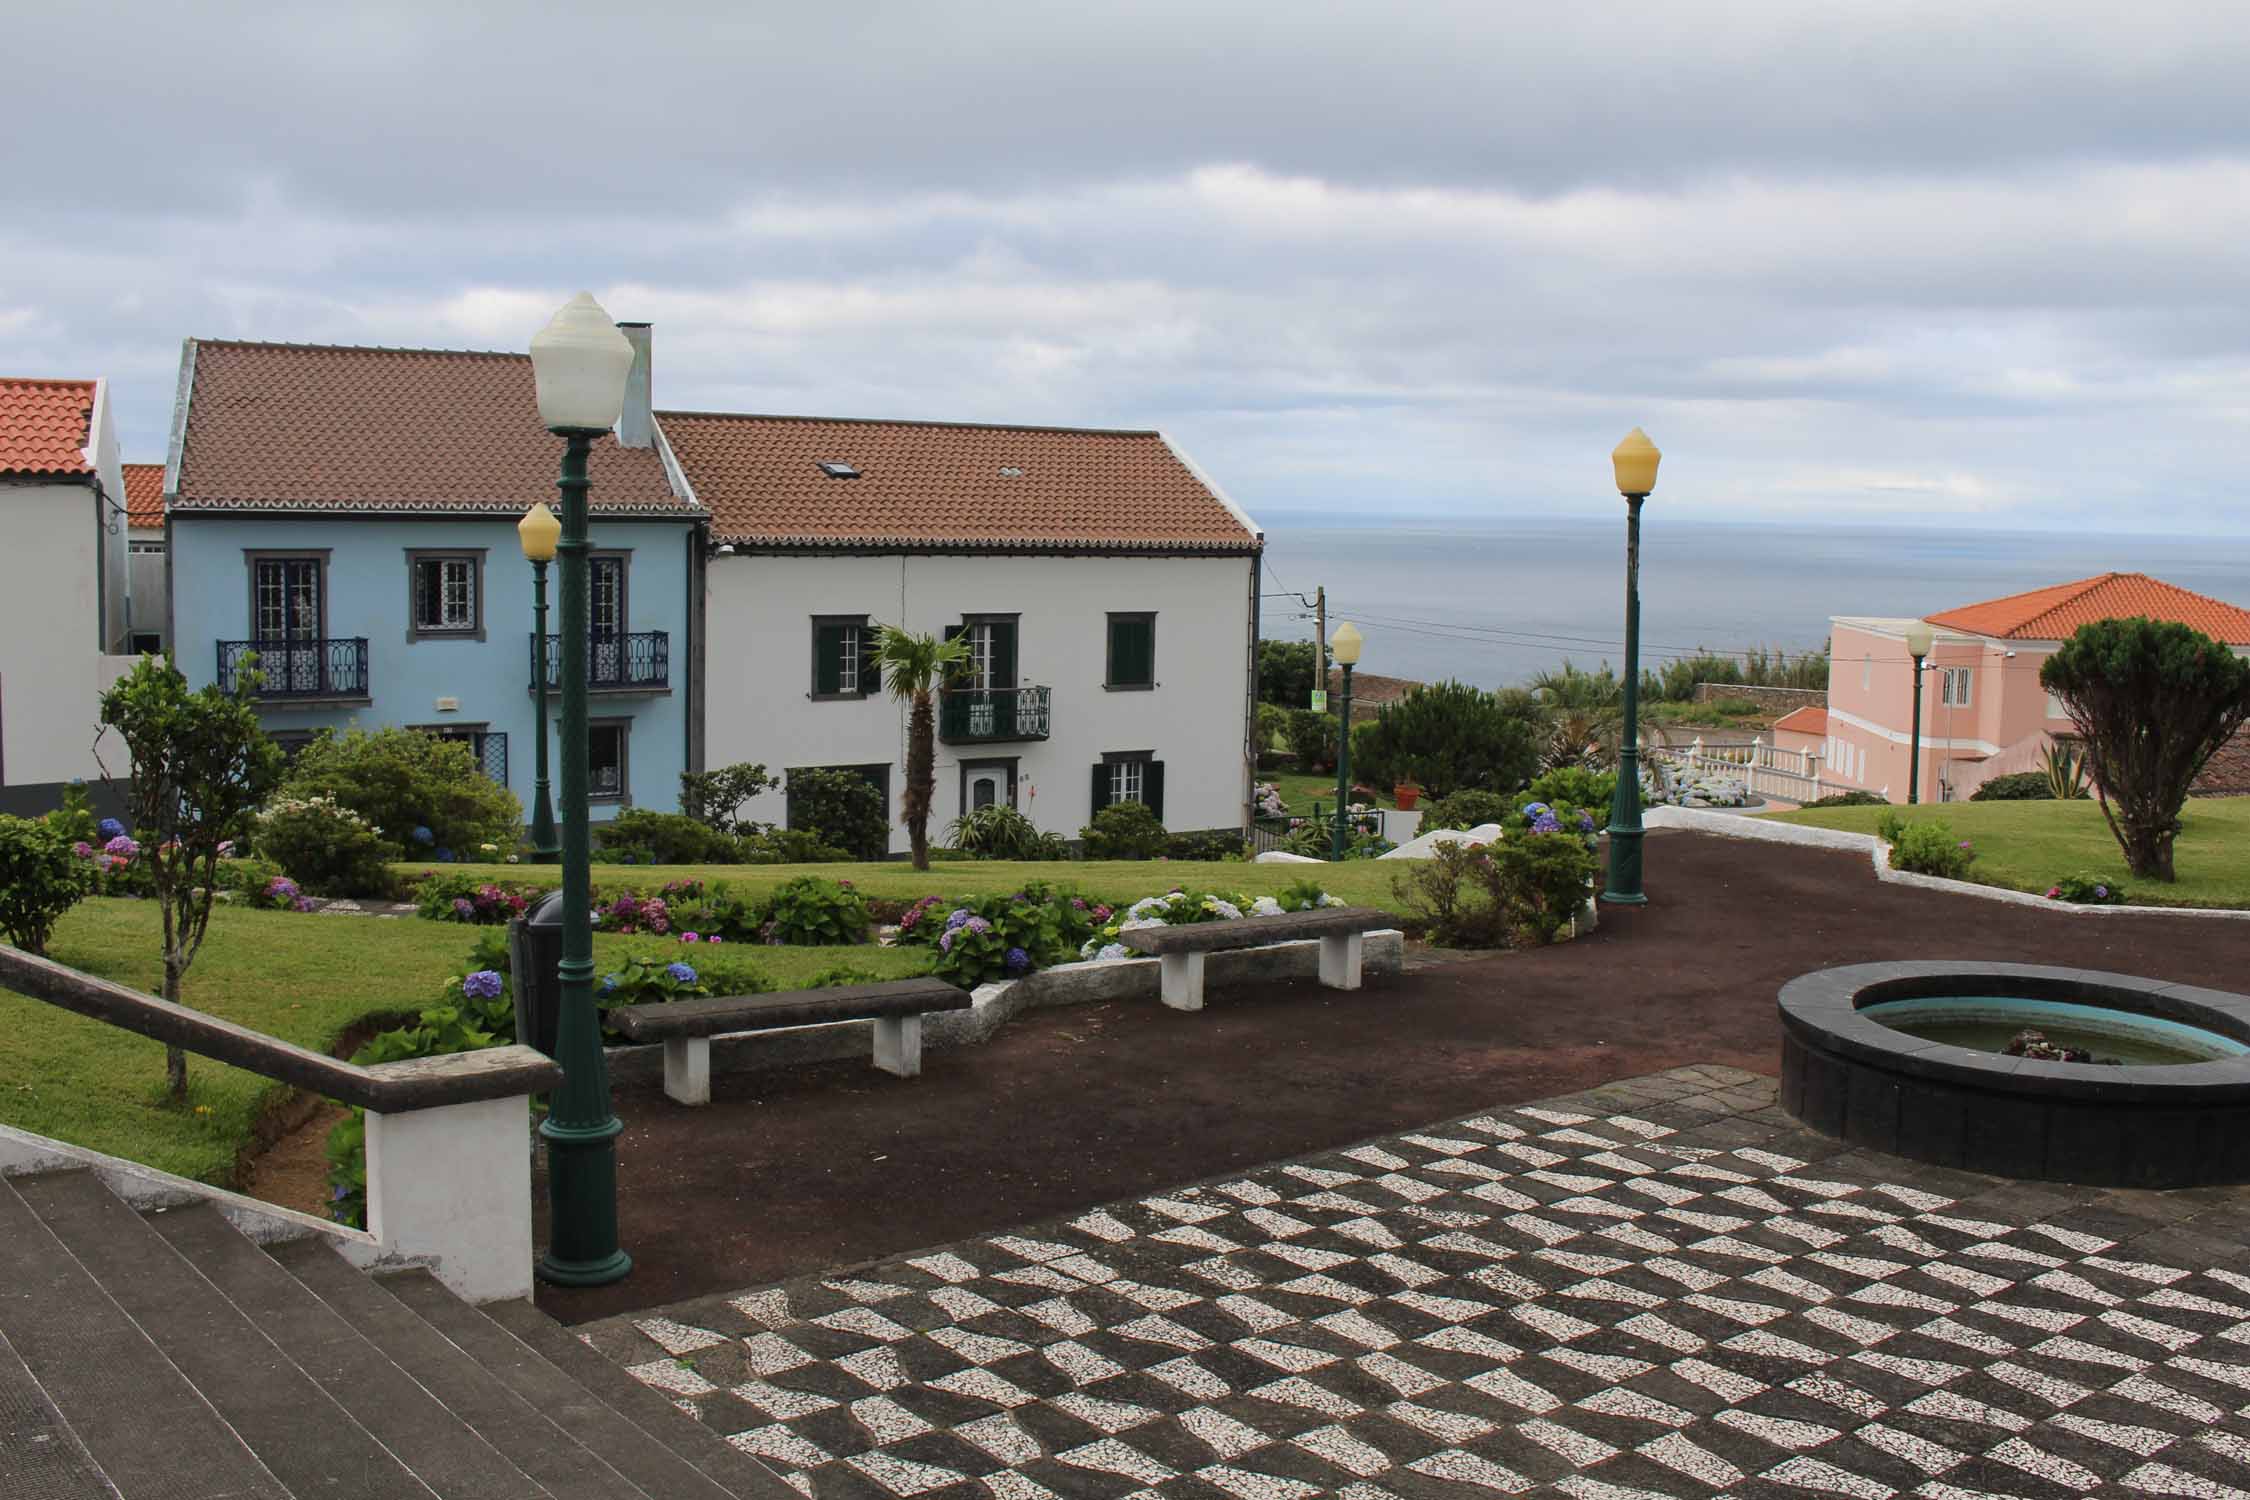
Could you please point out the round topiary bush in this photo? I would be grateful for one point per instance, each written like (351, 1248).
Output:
(41, 877)
(2023, 786)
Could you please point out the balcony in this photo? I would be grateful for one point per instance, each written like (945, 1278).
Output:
(985, 716)
(327, 670)
(637, 663)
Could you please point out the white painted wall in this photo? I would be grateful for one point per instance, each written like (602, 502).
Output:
(759, 667)
(51, 664)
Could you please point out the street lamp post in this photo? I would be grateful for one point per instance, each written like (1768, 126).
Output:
(1634, 462)
(538, 531)
(579, 361)
(1919, 637)
(1344, 645)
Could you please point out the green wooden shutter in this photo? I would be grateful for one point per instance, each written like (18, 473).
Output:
(1101, 789)
(1152, 787)
(1003, 653)
(1132, 651)
(829, 643)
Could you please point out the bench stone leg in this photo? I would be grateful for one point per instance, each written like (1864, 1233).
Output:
(1182, 977)
(1339, 960)
(687, 1070)
(898, 1046)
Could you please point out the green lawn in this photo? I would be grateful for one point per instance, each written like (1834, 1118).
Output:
(306, 979)
(1360, 882)
(2027, 846)
(1301, 789)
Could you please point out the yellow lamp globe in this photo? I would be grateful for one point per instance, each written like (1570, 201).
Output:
(1635, 461)
(1344, 644)
(538, 531)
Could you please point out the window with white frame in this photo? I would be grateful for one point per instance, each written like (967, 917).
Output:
(1953, 691)
(1127, 779)
(446, 592)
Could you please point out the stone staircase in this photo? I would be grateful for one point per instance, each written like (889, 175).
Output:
(167, 1355)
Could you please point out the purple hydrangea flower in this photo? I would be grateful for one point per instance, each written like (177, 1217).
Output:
(464, 906)
(484, 984)
(122, 845)
(109, 828)
(82, 849)
(2102, 891)
(1545, 823)
(960, 918)
(977, 924)
(609, 983)
(1018, 961)
(714, 938)
(1585, 822)
(945, 941)
(681, 973)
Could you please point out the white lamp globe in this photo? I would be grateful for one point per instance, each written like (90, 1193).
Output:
(579, 362)
(1919, 638)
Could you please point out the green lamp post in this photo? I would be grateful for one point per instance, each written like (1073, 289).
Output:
(1344, 646)
(538, 531)
(1919, 638)
(1634, 461)
(579, 361)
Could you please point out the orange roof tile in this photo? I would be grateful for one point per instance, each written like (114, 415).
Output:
(2052, 613)
(329, 428)
(45, 425)
(1812, 721)
(144, 496)
(943, 484)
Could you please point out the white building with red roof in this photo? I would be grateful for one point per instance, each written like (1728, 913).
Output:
(1984, 713)
(62, 580)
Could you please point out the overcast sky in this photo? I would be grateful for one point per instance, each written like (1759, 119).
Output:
(1983, 263)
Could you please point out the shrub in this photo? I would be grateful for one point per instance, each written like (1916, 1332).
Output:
(1929, 848)
(1576, 785)
(1000, 832)
(711, 915)
(1851, 799)
(789, 846)
(640, 836)
(1288, 672)
(2087, 890)
(1211, 845)
(1467, 809)
(840, 808)
(246, 876)
(1521, 891)
(1450, 736)
(1273, 727)
(1124, 830)
(75, 820)
(1552, 818)
(2023, 786)
(40, 879)
(715, 798)
(1312, 739)
(279, 893)
(416, 790)
(813, 912)
(325, 846)
(464, 898)
(1734, 707)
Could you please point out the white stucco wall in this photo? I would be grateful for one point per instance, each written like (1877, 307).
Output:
(759, 668)
(50, 629)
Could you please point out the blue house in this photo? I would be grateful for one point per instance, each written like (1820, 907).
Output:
(347, 516)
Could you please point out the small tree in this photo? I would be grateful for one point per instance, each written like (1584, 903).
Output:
(913, 666)
(40, 879)
(1288, 671)
(1451, 736)
(200, 766)
(716, 798)
(2152, 700)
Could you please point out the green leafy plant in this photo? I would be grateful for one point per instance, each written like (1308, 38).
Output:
(914, 665)
(1849, 799)
(716, 798)
(1467, 809)
(2087, 890)
(795, 846)
(2021, 786)
(1579, 786)
(1288, 671)
(200, 762)
(810, 911)
(1124, 830)
(1453, 736)
(840, 808)
(422, 793)
(2065, 771)
(997, 832)
(40, 879)
(325, 846)
(1928, 847)
(75, 819)
(1211, 845)
(1312, 738)
(640, 836)
(2152, 701)
(1521, 891)
(452, 897)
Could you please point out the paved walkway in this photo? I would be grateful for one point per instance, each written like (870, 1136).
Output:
(1657, 1287)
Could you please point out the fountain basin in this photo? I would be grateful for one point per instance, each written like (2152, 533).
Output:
(1875, 1054)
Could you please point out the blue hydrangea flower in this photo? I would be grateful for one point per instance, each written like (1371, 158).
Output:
(484, 984)
(1585, 822)
(1545, 823)
(109, 828)
(960, 916)
(680, 972)
(445, 856)
(424, 836)
(977, 924)
(1018, 961)
(1534, 809)
(945, 941)
(609, 983)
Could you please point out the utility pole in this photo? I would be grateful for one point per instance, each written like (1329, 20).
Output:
(1320, 638)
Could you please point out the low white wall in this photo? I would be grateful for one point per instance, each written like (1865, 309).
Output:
(995, 1004)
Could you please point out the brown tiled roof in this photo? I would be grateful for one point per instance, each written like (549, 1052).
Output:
(1808, 720)
(2227, 772)
(324, 428)
(939, 484)
(44, 426)
(2052, 613)
(144, 496)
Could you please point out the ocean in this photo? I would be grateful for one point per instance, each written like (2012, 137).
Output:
(1494, 602)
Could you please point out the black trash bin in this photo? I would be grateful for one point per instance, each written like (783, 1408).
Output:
(534, 953)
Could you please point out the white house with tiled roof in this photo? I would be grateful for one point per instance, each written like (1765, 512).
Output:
(1106, 585)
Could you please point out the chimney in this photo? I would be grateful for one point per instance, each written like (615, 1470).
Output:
(636, 425)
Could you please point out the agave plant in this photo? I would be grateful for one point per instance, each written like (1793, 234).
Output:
(2066, 771)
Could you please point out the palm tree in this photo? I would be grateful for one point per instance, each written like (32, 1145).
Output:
(913, 667)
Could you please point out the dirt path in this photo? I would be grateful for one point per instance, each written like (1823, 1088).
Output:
(795, 1170)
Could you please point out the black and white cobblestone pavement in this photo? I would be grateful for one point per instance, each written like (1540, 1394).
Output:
(1661, 1287)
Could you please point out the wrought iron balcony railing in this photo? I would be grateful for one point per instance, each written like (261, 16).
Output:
(971, 716)
(637, 663)
(297, 670)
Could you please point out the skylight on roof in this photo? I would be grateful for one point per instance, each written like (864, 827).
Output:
(838, 470)
(1010, 471)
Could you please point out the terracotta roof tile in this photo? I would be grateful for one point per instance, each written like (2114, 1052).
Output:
(144, 496)
(44, 426)
(317, 427)
(2052, 613)
(2227, 772)
(937, 484)
(1808, 720)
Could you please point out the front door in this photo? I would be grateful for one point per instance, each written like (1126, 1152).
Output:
(987, 783)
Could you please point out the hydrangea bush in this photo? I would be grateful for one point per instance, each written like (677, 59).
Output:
(324, 846)
(1180, 908)
(2087, 890)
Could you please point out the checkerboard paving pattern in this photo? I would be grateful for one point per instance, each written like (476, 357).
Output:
(1662, 1288)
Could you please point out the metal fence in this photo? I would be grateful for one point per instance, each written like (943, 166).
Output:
(639, 660)
(316, 668)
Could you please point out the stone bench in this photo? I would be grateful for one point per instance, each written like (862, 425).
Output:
(1180, 950)
(686, 1027)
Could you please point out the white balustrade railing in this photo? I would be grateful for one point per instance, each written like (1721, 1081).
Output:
(1768, 771)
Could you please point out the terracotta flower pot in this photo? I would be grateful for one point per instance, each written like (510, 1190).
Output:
(1407, 795)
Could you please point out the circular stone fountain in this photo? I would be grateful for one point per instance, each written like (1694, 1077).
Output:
(1910, 1058)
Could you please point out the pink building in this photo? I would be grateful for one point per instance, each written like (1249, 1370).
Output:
(1984, 713)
